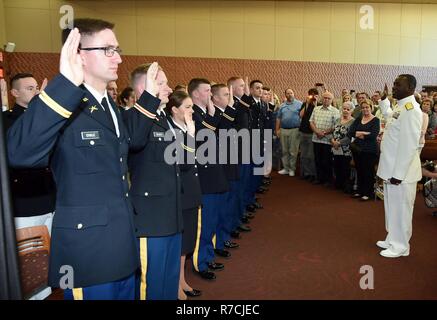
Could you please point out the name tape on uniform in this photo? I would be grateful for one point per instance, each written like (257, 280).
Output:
(90, 135)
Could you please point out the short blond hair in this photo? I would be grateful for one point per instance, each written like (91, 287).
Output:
(139, 71)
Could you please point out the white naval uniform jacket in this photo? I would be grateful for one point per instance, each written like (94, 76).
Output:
(399, 156)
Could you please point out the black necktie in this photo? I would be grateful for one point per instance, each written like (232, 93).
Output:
(161, 115)
(108, 113)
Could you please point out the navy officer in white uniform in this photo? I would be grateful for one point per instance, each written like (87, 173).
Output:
(399, 165)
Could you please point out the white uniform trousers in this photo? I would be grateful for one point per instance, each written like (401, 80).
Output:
(399, 206)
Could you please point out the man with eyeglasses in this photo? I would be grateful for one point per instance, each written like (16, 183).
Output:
(76, 128)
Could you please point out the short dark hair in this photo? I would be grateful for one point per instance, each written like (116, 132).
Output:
(175, 100)
(411, 80)
(125, 94)
(254, 81)
(313, 91)
(266, 88)
(195, 83)
(215, 88)
(87, 27)
(19, 76)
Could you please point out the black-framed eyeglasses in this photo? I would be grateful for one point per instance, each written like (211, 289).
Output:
(109, 51)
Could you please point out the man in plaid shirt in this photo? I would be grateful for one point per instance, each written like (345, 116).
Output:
(322, 123)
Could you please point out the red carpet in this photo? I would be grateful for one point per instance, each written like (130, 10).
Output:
(309, 242)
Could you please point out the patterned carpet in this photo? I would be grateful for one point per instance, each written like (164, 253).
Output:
(309, 242)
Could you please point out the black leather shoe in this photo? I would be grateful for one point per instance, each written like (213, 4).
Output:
(244, 228)
(235, 234)
(231, 245)
(257, 205)
(260, 191)
(249, 215)
(222, 253)
(207, 275)
(245, 219)
(216, 266)
(250, 208)
(193, 293)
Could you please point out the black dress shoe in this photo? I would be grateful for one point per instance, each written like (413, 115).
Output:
(250, 208)
(257, 205)
(235, 234)
(222, 253)
(260, 191)
(193, 293)
(245, 219)
(216, 266)
(208, 275)
(249, 215)
(244, 228)
(231, 245)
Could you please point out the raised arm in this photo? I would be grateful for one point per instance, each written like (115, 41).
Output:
(33, 136)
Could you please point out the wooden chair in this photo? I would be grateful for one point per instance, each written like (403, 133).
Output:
(33, 245)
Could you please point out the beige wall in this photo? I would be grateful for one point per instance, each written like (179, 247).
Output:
(2, 24)
(404, 34)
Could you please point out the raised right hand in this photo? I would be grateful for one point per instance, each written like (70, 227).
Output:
(246, 86)
(210, 107)
(151, 83)
(70, 64)
(231, 96)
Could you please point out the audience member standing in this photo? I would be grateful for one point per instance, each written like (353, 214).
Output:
(365, 130)
(307, 161)
(340, 148)
(322, 123)
(287, 129)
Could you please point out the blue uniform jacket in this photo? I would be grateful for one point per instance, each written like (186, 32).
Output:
(212, 175)
(93, 228)
(156, 185)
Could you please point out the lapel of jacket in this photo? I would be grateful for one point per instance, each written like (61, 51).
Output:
(161, 122)
(94, 109)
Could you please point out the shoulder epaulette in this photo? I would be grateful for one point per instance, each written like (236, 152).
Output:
(52, 104)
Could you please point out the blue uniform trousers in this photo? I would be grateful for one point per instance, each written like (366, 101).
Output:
(228, 212)
(249, 187)
(245, 170)
(123, 289)
(160, 267)
(206, 237)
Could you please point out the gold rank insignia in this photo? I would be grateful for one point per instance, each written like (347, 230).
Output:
(85, 99)
(93, 108)
(409, 106)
